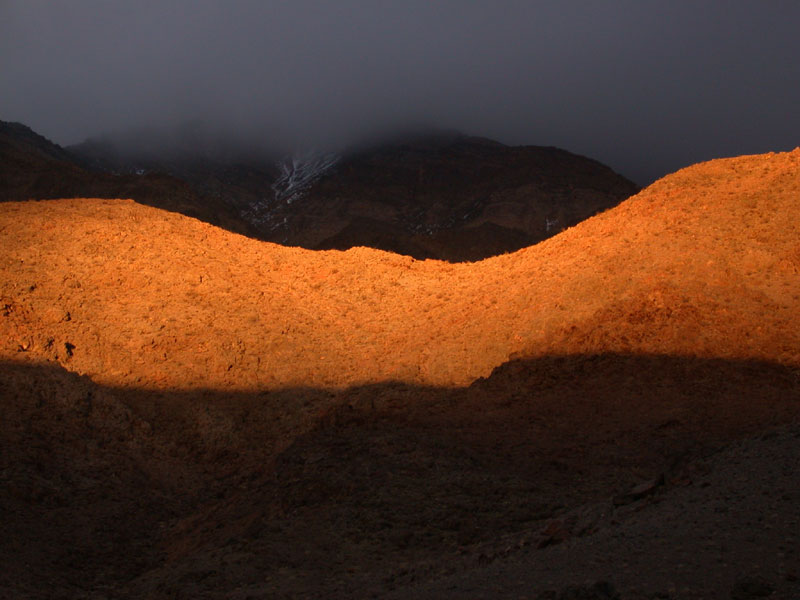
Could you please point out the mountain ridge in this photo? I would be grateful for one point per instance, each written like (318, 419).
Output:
(425, 193)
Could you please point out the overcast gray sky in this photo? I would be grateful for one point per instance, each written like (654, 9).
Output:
(644, 86)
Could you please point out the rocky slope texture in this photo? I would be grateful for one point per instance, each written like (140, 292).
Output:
(192, 413)
(442, 195)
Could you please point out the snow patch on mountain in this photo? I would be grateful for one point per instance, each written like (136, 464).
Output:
(297, 174)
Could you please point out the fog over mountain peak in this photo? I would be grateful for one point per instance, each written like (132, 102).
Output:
(646, 89)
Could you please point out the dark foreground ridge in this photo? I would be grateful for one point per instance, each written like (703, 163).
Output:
(642, 471)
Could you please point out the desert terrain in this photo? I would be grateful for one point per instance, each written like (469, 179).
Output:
(610, 413)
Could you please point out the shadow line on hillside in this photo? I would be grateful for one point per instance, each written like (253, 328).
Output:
(313, 480)
(524, 392)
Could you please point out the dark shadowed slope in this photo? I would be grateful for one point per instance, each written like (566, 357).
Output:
(311, 492)
(451, 197)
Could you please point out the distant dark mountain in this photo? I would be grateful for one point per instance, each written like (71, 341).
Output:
(32, 167)
(441, 195)
(447, 196)
(237, 172)
(18, 139)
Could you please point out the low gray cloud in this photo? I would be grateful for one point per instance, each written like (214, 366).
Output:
(644, 86)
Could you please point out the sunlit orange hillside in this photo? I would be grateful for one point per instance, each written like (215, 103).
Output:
(704, 262)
